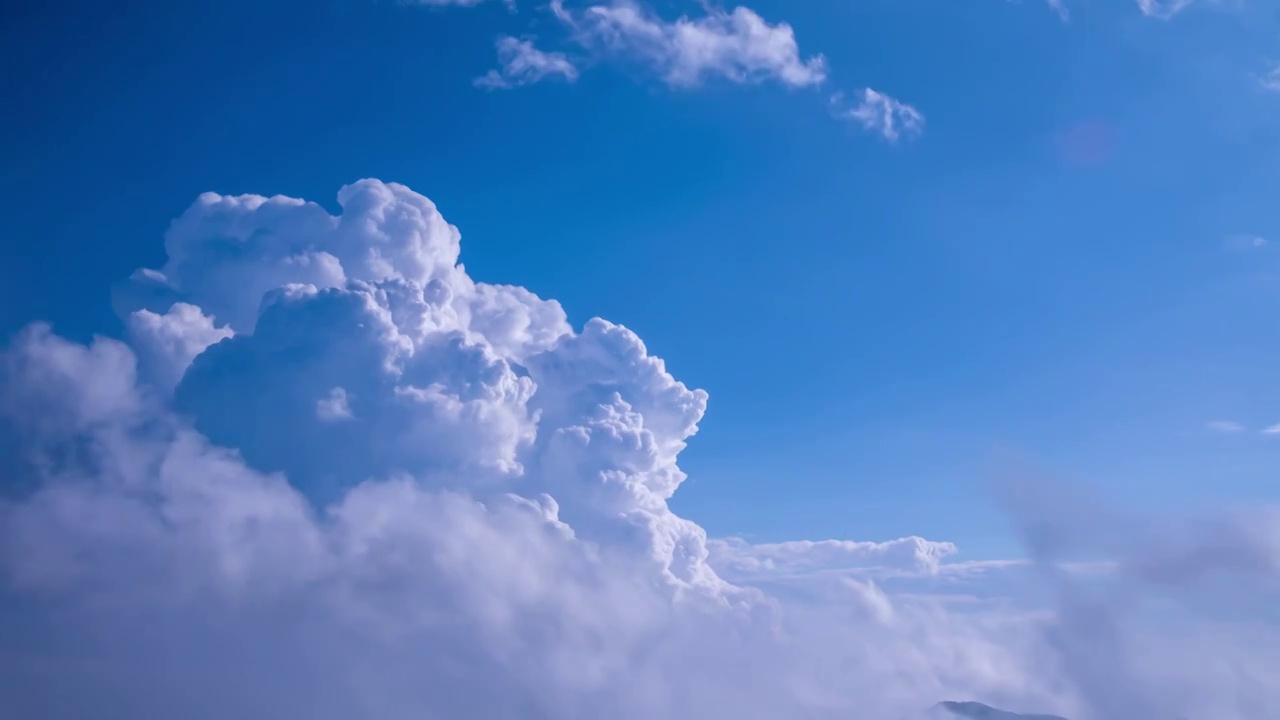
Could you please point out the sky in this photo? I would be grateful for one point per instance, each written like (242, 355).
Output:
(558, 352)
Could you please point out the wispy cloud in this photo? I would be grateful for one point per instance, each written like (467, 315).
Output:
(524, 64)
(1225, 427)
(1271, 430)
(1271, 80)
(1163, 9)
(1244, 242)
(1059, 7)
(443, 3)
(890, 118)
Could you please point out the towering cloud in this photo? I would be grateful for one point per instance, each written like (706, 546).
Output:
(329, 475)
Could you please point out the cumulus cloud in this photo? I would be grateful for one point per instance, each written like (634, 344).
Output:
(169, 342)
(737, 45)
(880, 114)
(334, 406)
(329, 475)
(524, 64)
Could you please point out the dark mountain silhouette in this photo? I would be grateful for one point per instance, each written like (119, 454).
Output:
(978, 711)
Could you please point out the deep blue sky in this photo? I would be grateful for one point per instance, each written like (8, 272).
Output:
(1048, 269)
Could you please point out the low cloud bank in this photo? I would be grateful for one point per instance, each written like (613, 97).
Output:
(329, 475)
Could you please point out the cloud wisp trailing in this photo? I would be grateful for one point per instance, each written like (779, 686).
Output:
(1270, 81)
(880, 114)
(327, 475)
(1163, 9)
(521, 63)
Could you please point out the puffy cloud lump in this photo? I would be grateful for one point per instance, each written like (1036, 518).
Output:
(326, 474)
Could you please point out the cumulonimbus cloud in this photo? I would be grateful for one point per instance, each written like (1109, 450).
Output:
(329, 475)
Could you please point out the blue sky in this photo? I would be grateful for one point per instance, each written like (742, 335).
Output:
(1054, 267)
(277, 442)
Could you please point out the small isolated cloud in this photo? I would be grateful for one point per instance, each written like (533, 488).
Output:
(737, 45)
(1271, 430)
(889, 118)
(334, 406)
(1271, 80)
(1244, 242)
(1224, 427)
(523, 64)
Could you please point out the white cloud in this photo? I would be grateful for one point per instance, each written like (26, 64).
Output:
(1059, 8)
(1221, 569)
(1271, 80)
(169, 342)
(486, 532)
(334, 406)
(1226, 427)
(736, 44)
(881, 114)
(1163, 9)
(738, 560)
(524, 64)
(1271, 430)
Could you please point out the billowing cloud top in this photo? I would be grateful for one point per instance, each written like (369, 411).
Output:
(329, 475)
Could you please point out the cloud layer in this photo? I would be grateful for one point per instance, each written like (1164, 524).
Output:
(329, 475)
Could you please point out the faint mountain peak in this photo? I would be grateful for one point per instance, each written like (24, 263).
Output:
(978, 711)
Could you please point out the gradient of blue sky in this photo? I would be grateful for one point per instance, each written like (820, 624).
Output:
(279, 459)
(1049, 268)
